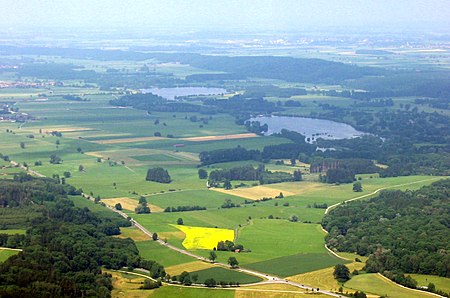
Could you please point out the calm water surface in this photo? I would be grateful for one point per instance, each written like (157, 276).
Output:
(309, 127)
(171, 93)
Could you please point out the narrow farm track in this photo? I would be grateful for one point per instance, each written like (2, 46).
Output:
(269, 279)
(377, 191)
(13, 249)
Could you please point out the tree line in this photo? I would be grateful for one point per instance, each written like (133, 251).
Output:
(400, 232)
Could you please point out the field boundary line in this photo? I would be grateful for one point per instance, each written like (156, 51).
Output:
(417, 290)
(335, 254)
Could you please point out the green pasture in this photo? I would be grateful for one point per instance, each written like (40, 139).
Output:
(13, 231)
(5, 254)
(187, 292)
(375, 284)
(151, 250)
(441, 283)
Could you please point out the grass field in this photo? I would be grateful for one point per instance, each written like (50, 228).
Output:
(151, 250)
(187, 292)
(6, 253)
(188, 267)
(13, 231)
(226, 275)
(323, 278)
(133, 233)
(204, 238)
(441, 283)
(375, 284)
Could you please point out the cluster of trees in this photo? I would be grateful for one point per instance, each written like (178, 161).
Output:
(142, 207)
(228, 245)
(184, 208)
(256, 127)
(403, 232)
(73, 98)
(64, 248)
(158, 175)
(25, 190)
(338, 176)
(248, 172)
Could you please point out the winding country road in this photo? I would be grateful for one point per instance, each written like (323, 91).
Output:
(269, 279)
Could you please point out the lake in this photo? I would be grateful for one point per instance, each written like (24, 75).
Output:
(309, 127)
(171, 93)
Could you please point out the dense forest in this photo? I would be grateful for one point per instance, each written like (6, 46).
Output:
(65, 247)
(401, 232)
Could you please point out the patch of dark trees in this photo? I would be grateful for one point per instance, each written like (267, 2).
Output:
(159, 175)
(228, 245)
(73, 98)
(400, 232)
(250, 173)
(65, 247)
(184, 208)
(437, 103)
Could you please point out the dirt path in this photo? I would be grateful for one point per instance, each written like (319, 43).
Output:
(377, 191)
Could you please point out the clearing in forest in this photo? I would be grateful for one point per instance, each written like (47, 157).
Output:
(222, 137)
(204, 238)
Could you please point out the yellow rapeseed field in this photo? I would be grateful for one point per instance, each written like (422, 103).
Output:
(204, 238)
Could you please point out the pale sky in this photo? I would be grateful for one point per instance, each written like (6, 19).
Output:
(225, 14)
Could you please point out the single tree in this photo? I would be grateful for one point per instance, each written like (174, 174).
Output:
(210, 283)
(341, 273)
(294, 218)
(227, 184)
(212, 256)
(180, 221)
(22, 145)
(81, 168)
(155, 236)
(202, 174)
(118, 206)
(233, 262)
(357, 187)
(55, 159)
(298, 175)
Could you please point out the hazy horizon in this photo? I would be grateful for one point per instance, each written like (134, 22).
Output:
(244, 15)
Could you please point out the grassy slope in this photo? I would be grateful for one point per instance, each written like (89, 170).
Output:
(373, 283)
(441, 283)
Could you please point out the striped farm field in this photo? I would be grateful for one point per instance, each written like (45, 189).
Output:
(127, 140)
(204, 238)
(127, 203)
(222, 137)
(255, 193)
